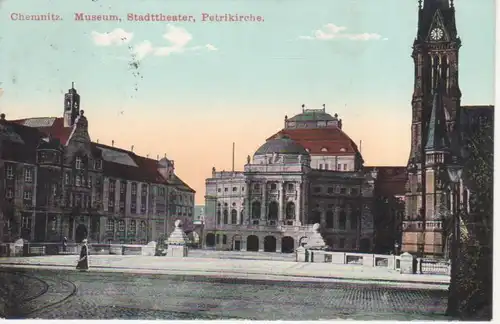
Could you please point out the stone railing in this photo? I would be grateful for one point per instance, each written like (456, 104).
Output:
(263, 227)
(390, 262)
(8, 249)
(405, 263)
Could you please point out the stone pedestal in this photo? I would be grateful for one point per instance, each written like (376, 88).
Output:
(301, 254)
(177, 251)
(177, 242)
(407, 263)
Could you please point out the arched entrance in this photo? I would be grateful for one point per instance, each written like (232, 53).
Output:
(81, 233)
(364, 245)
(252, 243)
(287, 244)
(210, 240)
(269, 244)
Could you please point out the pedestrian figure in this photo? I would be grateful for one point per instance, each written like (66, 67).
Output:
(83, 262)
(65, 244)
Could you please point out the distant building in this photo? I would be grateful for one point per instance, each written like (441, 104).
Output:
(56, 182)
(199, 213)
(299, 177)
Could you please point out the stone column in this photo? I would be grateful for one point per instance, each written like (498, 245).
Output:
(263, 207)
(278, 245)
(281, 202)
(298, 203)
(261, 244)
(247, 203)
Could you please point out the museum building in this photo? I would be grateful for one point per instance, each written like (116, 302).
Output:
(55, 183)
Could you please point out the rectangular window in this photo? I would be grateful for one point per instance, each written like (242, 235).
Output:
(112, 185)
(345, 167)
(224, 239)
(26, 222)
(321, 166)
(122, 187)
(110, 225)
(66, 178)
(133, 208)
(9, 193)
(78, 163)
(134, 188)
(217, 239)
(28, 195)
(10, 172)
(326, 166)
(78, 181)
(111, 203)
(28, 175)
(339, 167)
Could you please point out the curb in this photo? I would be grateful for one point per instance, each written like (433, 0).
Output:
(345, 279)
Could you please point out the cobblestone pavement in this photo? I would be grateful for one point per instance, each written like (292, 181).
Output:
(129, 296)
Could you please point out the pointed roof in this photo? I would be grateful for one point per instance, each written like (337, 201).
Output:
(436, 13)
(437, 138)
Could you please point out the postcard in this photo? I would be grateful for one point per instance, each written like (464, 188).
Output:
(247, 160)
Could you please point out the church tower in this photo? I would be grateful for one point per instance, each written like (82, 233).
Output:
(435, 108)
(71, 106)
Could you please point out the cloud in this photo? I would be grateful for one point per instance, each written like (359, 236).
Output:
(178, 39)
(210, 47)
(116, 37)
(332, 31)
(143, 49)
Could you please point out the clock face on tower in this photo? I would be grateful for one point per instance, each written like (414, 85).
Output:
(437, 34)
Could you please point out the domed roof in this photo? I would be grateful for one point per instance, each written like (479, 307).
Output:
(281, 145)
(313, 115)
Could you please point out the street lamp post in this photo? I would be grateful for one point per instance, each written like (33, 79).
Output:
(454, 174)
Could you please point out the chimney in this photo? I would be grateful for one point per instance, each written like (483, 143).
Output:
(147, 156)
(97, 141)
(132, 148)
(158, 157)
(165, 155)
(113, 143)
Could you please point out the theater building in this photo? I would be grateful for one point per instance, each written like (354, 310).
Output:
(56, 182)
(309, 172)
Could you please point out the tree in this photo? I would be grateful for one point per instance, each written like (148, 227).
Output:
(475, 264)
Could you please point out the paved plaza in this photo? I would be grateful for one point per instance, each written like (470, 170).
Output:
(57, 294)
(235, 268)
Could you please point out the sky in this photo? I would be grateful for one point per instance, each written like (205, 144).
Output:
(191, 89)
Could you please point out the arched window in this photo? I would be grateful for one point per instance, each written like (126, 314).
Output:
(256, 210)
(234, 216)
(329, 219)
(354, 219)
(218, 217)
(142, 226)
(226, 216)
(342, 220)
(273, 211)
(290, 211)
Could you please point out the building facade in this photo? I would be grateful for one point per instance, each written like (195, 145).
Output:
(437, 132)
(57, 183)
(272, 205)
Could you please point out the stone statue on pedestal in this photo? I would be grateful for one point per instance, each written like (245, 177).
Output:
(177, 242)
(316, 241)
